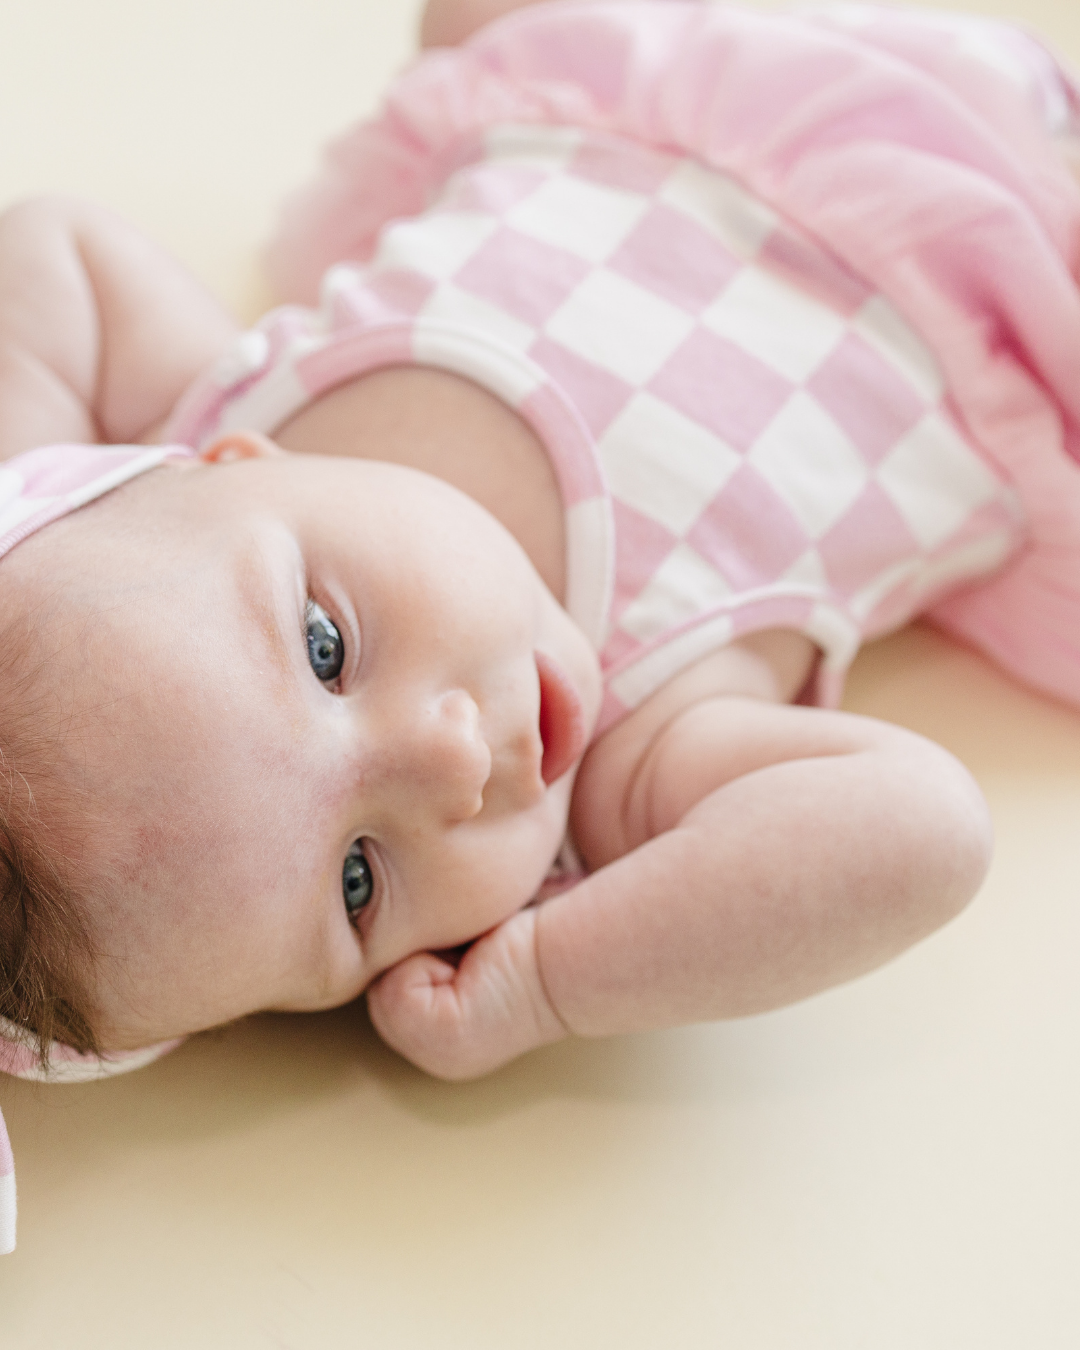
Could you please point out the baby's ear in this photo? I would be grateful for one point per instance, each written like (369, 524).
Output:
(236, 445)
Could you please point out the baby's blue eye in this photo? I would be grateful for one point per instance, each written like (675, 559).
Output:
(326, 651)
(356, 881)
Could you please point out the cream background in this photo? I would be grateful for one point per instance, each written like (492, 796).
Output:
(891, 1165)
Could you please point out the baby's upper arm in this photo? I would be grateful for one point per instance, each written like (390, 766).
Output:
(100, 330)
(719, 740)
(680, 774)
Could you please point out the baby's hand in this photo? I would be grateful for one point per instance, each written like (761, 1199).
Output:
(460, 1022)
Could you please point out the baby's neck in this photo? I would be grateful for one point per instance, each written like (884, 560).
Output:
(447, 426)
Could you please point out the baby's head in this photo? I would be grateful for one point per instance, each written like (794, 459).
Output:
(293, 719)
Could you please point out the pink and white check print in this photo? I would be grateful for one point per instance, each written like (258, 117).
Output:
(746, 435)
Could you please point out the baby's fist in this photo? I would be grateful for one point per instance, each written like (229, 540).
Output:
(461, 1022)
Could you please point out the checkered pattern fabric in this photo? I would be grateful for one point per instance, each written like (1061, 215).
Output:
(746, 435)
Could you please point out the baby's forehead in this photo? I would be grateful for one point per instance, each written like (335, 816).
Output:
(159, 613)
(173, 522)
(121, 531)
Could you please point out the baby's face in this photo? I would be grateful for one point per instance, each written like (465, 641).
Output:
(334, 724)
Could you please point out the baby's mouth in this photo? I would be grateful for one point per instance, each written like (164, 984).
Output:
(562, 719)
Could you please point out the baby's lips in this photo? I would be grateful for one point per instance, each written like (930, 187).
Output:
(562, 719)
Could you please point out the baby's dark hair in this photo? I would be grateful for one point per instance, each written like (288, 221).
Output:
(45, 951)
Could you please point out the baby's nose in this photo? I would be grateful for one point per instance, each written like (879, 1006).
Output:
(450, 760)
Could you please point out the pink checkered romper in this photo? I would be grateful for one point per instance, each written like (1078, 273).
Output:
(597, 213)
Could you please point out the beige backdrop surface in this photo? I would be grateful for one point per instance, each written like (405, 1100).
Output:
(890, 1166)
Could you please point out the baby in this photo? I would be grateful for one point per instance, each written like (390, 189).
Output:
(651, 358)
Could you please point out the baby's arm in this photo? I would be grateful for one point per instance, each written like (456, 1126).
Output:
(100, 330)
(770, 852)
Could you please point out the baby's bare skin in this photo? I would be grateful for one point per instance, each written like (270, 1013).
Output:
(742, 852)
